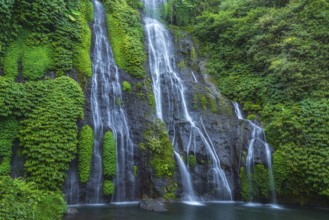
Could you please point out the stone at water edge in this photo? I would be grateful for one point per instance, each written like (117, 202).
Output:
(152, 205)
(71, 211)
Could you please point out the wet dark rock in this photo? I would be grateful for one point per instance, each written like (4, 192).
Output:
(152, 205)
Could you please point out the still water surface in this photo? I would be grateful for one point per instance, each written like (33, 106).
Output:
(209, 211)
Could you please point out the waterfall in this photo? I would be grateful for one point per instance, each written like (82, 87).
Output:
(71, 185)
(171, 103)
(257, 135)
(107, 114)
(189, 195)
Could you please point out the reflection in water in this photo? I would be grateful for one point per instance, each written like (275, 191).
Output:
(211, 211)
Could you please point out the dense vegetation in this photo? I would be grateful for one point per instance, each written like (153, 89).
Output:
(272, 56)
(21, 200)
(109, 163)
(48, 112)
(158, 148)
(126, 35)
(85, 150)
(41, 40)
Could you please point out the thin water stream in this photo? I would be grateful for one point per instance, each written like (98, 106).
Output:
(257, 138)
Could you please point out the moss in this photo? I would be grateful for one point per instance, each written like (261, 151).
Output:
(109, 155)
(255, 185)
(36, 60)
(12, 59)
(150, 95)
(213, 105)
(108, 187)
(126, 86)
(135, 170)
(251, 117)
(191, 161)
(81, 59)
(244, 184)
(85, 150)
(33, 60)
(200, 101)
(126, 36)
(156, 140)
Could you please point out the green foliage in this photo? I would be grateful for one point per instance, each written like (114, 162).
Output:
(109, 163)
(251, 117)
(179, 12)
(204, 102)
(255, 186)
(126, 86)
(8, 132)
(49, 134)
(109, 155)
(11, 60)
(200, 100)
(85, 150)
(81, 59)
(53, 35)
(126, 35)
(33, 61)
(191, 161)
(272, 56)
(8, 28)
(108, 187)
(72, 38)
(21, 200)
(302, 159)
(157, 142)
(48, 130)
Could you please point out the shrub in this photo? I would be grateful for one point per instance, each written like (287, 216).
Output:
(156, 140)
(126, 36)
(109, 155)
(21, 200)
(108, 187)
(126, 86)
(85, 150)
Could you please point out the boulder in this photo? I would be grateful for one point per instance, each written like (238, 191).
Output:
(71, 211)
(152, 205)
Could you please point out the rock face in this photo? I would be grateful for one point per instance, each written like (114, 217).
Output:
(228, 134)
(152, 205)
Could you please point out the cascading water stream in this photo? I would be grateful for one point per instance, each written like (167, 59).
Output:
(257, 135)
(71, 186)
(189, 194)
(168, 88)
(107, 114)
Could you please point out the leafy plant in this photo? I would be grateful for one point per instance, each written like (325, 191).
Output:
(126, 86)
(109, 155)
(21, 200)
(126, 35)
(85, 150)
